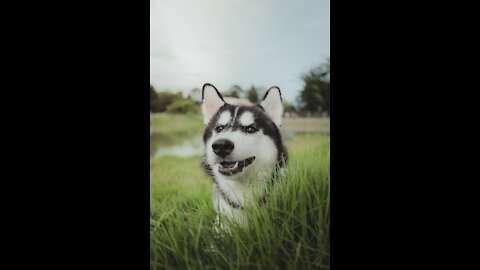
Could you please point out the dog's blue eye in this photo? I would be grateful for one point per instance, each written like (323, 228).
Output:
(251, 129)
(219, 128)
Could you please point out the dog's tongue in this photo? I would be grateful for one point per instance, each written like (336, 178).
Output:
(228, 165)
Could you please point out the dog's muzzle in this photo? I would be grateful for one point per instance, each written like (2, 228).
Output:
(234, 167)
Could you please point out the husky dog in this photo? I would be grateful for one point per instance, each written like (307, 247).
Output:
(243, 149)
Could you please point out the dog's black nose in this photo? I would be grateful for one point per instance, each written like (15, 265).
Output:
(222, 147)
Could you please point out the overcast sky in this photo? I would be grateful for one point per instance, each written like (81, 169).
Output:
(244, 42)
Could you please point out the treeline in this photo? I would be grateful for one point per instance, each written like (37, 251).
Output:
(171, 102)
(314, 99)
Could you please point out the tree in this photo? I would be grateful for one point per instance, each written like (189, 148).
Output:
(153, 99)
(166, 98)
(183, 106)
(252, 95)
(160, 101)
(288, 107)
(153, 94)
(315, 96)
(235, 91)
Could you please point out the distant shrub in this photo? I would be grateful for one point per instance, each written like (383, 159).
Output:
(165, 99)
(287, 107)
(183, 106)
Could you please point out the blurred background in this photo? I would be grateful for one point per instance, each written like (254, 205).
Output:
(243, 48)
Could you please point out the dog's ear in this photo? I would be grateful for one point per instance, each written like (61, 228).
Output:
(272, 104)
(212, 100)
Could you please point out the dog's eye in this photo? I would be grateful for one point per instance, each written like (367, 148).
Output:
(251, 129)
(219, 128)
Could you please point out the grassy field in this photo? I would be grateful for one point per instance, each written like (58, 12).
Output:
(306, 124)
(175, 123)
(290, 232)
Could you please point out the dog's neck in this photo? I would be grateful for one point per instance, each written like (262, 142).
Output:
(236, 190)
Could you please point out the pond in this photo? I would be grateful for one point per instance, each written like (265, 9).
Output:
(184, 145)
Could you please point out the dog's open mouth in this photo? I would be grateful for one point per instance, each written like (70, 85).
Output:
(234, 167)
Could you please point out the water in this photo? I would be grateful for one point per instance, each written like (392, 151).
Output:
(187, 147)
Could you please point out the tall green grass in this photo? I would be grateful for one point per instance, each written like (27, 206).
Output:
(290, 231)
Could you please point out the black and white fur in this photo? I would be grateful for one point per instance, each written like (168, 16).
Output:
(243, 148)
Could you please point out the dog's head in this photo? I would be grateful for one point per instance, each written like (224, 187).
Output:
(240, 138)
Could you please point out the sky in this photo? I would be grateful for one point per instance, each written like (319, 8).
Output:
(243, 42)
